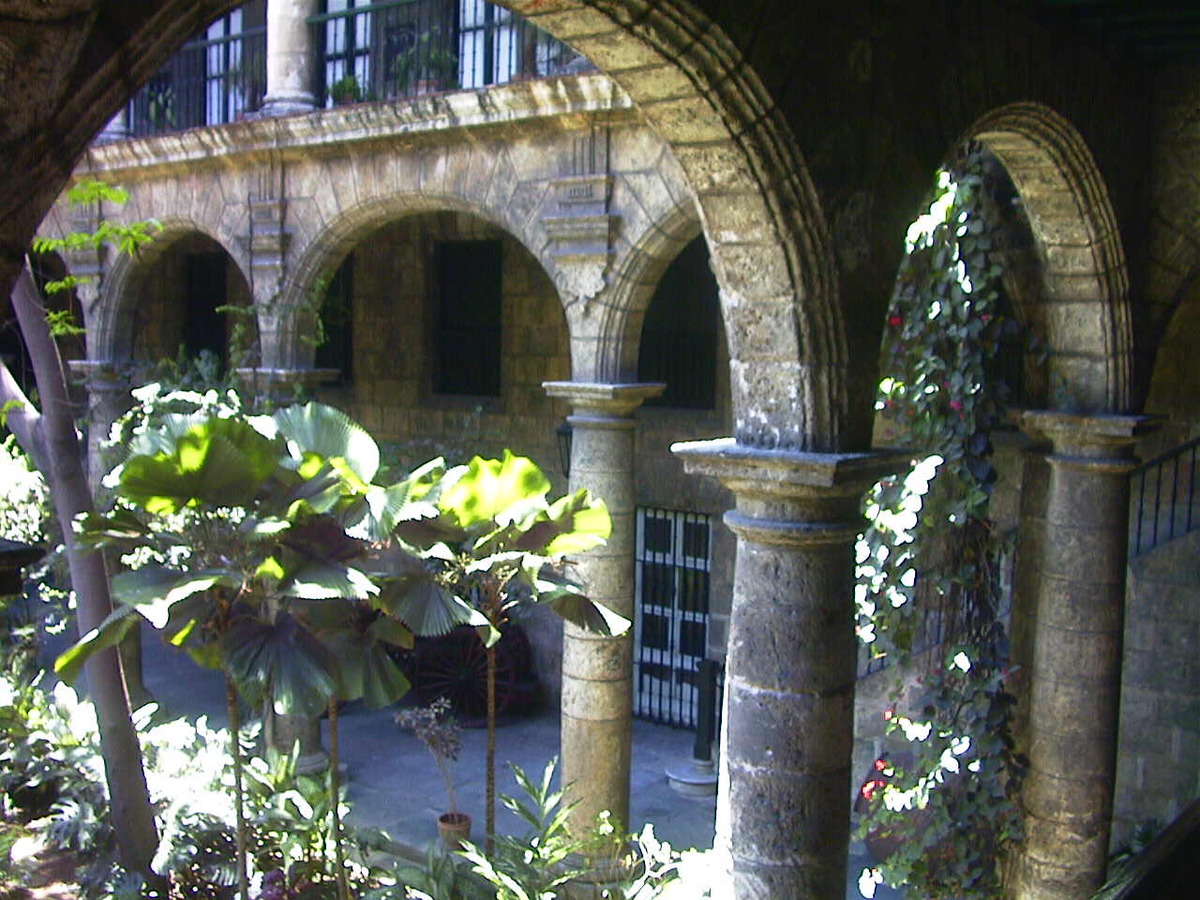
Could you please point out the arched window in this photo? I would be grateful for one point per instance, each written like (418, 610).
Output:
(680, 332)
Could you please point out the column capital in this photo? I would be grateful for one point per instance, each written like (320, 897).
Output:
(608, 400)
(101, 374)
(753, 471)
(1087, 436)
(279, 382)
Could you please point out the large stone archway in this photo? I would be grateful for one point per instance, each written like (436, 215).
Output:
(1069, 591)
(111, 320)
(1083, 311)
(761, 215)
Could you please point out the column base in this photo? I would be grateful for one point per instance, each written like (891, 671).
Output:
(287, 105)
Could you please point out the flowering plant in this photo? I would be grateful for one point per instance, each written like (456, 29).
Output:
(436, 728)
(930, 559)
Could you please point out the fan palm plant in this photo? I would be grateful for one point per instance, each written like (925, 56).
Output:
(241, 523)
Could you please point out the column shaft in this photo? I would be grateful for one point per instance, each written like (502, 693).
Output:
(1074, 685)
(783, 802)
(290, 56)
(597, 673)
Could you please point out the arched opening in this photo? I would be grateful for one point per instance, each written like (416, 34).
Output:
(191, 306)
(452, 326)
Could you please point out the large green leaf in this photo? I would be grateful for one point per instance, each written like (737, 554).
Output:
(121, 527)
(570, 603)
(500, 491)
(571, 525)
(218, 463)
(108, 633)
(367, 671)
(315, 579)
(329, 435)
(407, 500)
(282, 662)
(153, 590)
(429, 609)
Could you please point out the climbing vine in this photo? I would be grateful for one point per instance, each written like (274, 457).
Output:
(929, 563)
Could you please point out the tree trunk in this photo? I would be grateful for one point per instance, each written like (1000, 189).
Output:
(490, 837)
(335, 790)
(239, 798)
(50, 439)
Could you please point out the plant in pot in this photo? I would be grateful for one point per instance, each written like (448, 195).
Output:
(429, 64)
(345, 90)
(436, 728)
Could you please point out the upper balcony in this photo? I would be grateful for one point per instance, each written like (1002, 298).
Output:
(360, 52)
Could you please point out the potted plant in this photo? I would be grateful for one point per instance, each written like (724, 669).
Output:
(428, 65)
(345, 90)
(436, 728)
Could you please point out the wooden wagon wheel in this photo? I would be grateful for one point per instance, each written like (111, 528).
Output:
(455, 667)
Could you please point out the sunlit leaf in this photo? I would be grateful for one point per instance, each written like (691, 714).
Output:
(108, 633)
(501, 491)
(330, 434)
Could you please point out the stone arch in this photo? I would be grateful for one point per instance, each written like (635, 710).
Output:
(1084, 308)
(605, 347)
(769, 240)
(320, 256)
(112, 327)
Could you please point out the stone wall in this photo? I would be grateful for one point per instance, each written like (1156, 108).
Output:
(392, 392)
(1158, 772)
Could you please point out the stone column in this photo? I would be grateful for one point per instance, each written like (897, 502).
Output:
(783, 797)
(1074, 686)
(597, 672)
(108, 387)
(290, 58)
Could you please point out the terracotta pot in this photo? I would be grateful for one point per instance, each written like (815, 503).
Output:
(454, 828)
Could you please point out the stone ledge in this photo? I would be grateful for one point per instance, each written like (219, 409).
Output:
(523, 102)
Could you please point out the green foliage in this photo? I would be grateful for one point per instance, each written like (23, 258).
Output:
(541, 863)
(24, 497)
(931, 551)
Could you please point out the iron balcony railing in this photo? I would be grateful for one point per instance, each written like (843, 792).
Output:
(364, 51)
(211, 81)
(1164, 499)
(405, 48)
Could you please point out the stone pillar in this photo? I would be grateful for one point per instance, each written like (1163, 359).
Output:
(1074, 685)
(783, 798)
(597, 672)
(107, 384)
(290, 58)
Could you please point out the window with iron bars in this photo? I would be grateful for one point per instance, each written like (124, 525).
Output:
(673, 559)
(215, 78)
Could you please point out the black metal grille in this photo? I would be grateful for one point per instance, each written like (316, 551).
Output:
(216, 78)
(1164, 499)
(673, 562)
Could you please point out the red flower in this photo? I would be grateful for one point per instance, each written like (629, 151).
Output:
(895, 321)
(880, 765)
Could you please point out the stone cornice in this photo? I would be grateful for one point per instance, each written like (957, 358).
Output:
(438, 117)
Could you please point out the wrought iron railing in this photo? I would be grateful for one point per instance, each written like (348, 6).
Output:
(1164, 499)
(368, 51)
(211, 81)
(404, 48)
